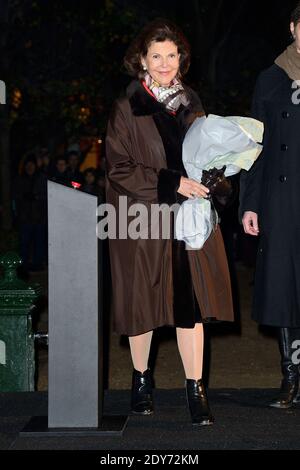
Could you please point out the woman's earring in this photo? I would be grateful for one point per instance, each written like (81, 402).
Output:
(144, 68)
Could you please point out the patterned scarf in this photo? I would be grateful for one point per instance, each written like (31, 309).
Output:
(289, 61)
(171, 96)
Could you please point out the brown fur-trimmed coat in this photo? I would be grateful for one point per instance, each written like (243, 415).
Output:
(155, 282)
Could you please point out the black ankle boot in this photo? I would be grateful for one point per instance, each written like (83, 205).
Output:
(141, 393)
(288, 393)
(198, 403)
(297, 397)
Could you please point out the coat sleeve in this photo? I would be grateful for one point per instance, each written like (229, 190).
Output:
(251, 181)
(131, 178)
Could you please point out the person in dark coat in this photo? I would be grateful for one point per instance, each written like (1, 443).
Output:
(73, 172)
(269, 206)
(158, 282)
(89, 181)
(44, 161)
(60, 174)
(30, 197)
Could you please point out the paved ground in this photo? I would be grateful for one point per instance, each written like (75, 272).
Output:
(241, 356)
(242, 421)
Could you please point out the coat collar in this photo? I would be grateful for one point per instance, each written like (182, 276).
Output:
(143, 104)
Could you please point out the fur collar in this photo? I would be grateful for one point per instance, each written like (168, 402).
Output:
(143, 104)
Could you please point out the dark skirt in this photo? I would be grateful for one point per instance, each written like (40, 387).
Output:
(185, 305)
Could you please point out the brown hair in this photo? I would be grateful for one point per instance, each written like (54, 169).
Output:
(295, 16)
(158, 30)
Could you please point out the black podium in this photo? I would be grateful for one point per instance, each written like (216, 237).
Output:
(75, 390)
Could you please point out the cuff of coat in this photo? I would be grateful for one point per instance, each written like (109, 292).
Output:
(167, 186)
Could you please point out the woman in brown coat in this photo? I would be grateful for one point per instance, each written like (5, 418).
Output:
(156, 281)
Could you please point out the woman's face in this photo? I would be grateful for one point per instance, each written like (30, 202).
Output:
(162, 61)
(30, 168)
(295, 30)
(89, 178)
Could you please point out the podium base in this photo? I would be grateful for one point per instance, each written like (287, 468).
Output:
(110, 426)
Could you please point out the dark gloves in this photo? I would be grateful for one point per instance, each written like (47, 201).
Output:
(219, 186)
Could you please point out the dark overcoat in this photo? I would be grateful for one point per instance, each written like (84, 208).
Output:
(272, 190)
(156, 282)
(30, 196)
